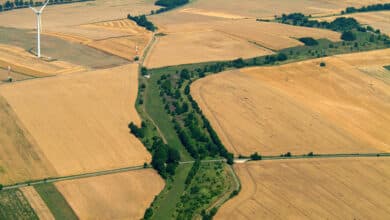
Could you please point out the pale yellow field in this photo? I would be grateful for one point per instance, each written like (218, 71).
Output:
(23, 62)
(344, 188)
(79, 121)
(117, 196)
(301, 107)
(211, 39)
(20, 157)
(36, 202)
(269, 8)
(194, 47)
(123, 47)
(72, 15)
(378, 19)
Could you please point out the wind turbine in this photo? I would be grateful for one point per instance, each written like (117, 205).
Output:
(38, 14)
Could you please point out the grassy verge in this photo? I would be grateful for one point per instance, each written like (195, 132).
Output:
(13, 205)
(54, 200)
(164, 207)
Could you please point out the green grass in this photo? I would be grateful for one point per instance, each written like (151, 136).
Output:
(13, 205)
(55, 201)
(387, 67)
(165, 204)
(155, 108)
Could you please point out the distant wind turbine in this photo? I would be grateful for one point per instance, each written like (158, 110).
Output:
(39, 23)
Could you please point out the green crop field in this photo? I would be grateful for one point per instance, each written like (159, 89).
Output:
(55, 201)
(13, 205)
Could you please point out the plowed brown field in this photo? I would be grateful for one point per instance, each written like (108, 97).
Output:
(301, 107)
(116, 196)
(79, 121)
(353, 188)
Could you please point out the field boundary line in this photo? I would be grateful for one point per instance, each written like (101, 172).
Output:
(73, 177)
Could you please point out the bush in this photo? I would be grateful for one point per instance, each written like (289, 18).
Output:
(1, 187)
(142, 21)
(281, 57)
(348, 36)
(322, 64)
(255, 156)
(148, 213)
(138, 132)
(308, 41)
(310, 154)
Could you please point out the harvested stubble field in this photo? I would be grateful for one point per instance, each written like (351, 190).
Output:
(195, 47)
(62, 50)
(214, 39)
(68, 15)
(79, 121)
(15, 76)
(20, 157)
(269, 8)
(116, 196)
(300, 107)
(377, 19)
(353, 188)
(26, 63)
(36, 202)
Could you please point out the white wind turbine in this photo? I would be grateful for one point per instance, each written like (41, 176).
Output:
(38, 14)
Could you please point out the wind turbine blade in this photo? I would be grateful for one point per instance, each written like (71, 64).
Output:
(35, 10)
(47, 2)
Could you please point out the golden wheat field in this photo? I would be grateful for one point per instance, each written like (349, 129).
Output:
(20, 157)
(79, 121)
(267, 8)
(311, 189)
(36, 202)
(195, 47)
(301, 107)
(75, 14)
(116, 196)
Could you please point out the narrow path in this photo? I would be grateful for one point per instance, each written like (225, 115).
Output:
(141, 62)
(72, 177)
(132, 168)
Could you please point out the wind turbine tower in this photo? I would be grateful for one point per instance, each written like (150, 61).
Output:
(38, 13)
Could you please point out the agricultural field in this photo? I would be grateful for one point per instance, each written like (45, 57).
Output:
(312, 189)
(79, 121)
(13, 205)
(377, 19)
(15, 76)
(225, 40)
(26, 63)
(20, 157)
(57, 49)
(76, 14)
(266, 8)
(55, 201)
(204, 46)
(116, 196)
(300, 107)
(36, 202)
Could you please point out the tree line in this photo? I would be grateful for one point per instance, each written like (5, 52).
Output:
(168, 5)
(375, 7)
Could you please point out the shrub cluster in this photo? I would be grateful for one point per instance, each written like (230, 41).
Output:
(142, 21)
(375, 7)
